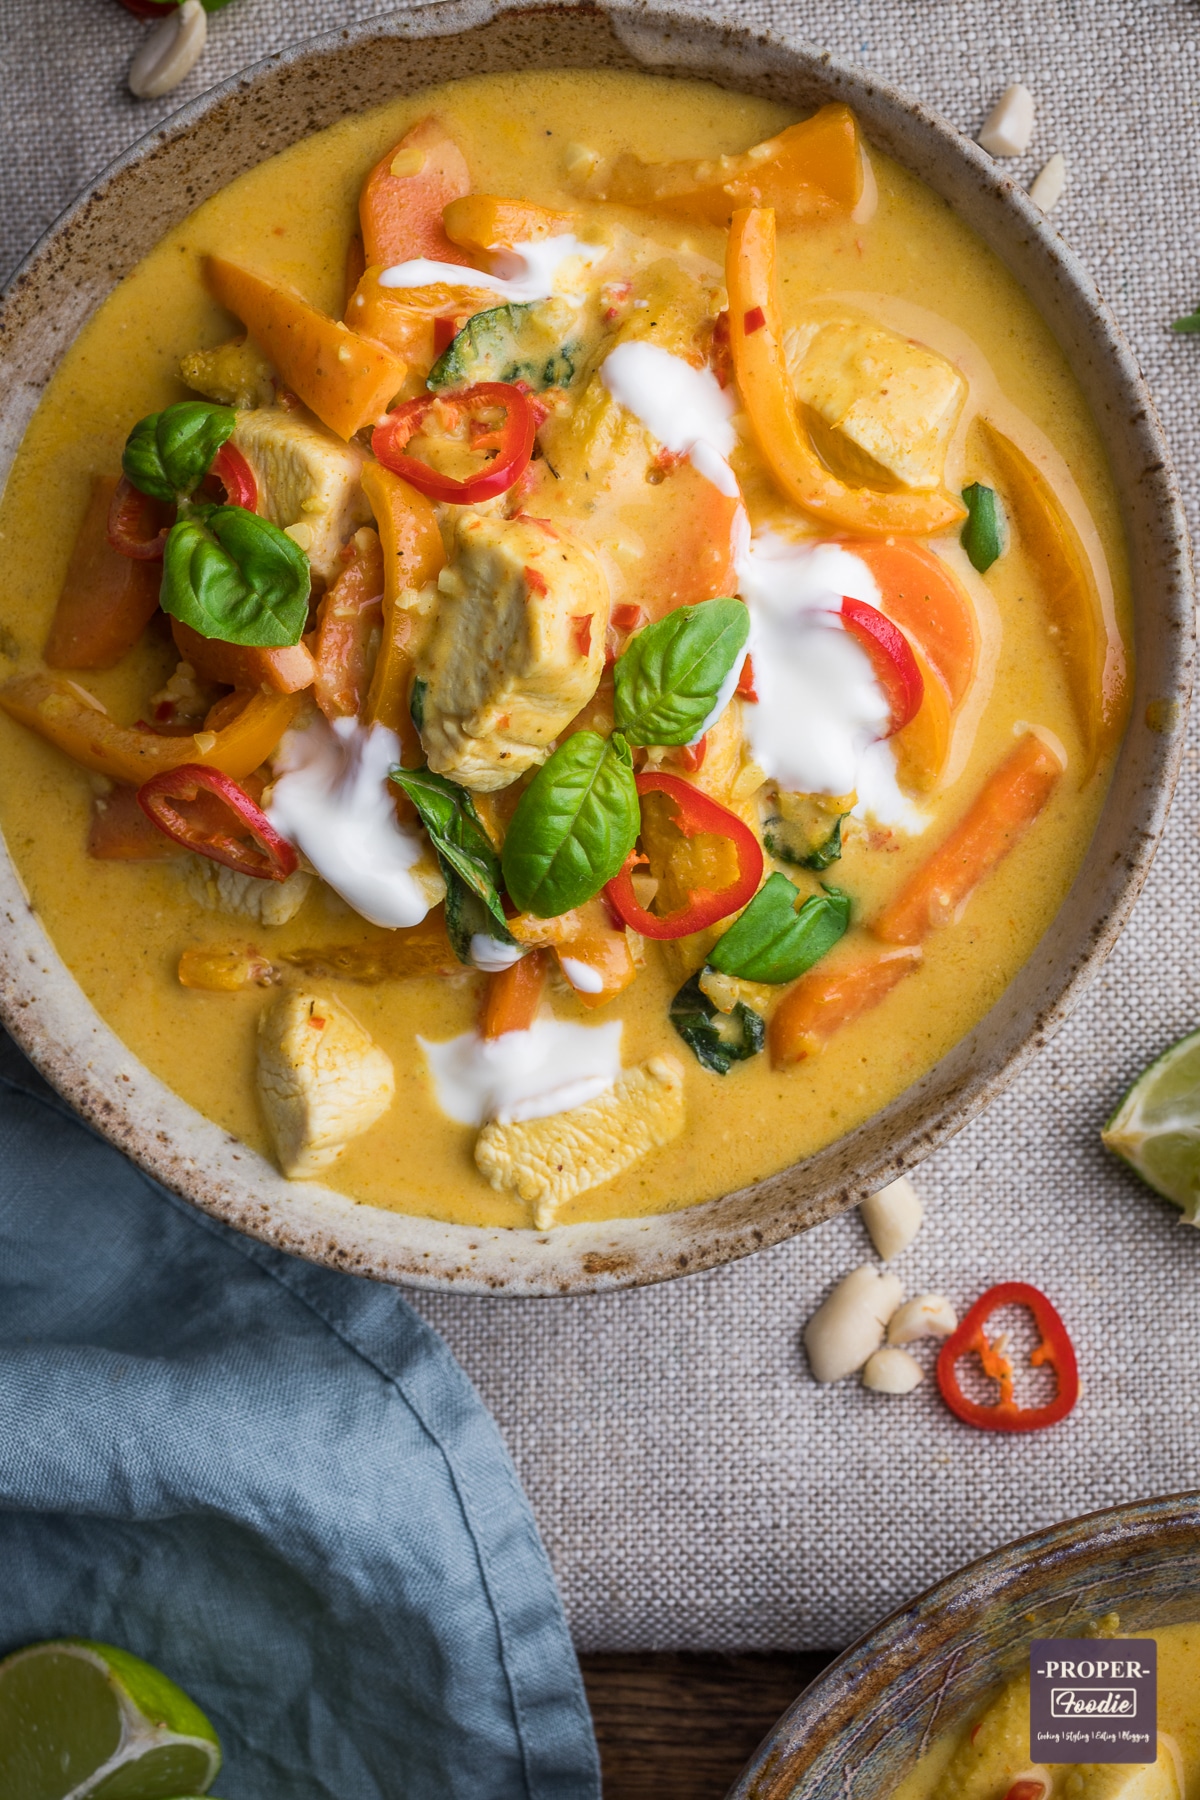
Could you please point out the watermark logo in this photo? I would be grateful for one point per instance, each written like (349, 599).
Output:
(1093, 1700)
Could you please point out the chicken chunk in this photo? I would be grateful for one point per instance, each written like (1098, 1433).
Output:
(881, 407)
(308, 481)
(245, 896)
(321, 1081)
(234, 374)
(1128, 1781)
(547, 1162)
(517, 647)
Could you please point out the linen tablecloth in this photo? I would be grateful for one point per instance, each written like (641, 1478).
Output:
(695, 1488)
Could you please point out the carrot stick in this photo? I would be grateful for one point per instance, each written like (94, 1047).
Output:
(400, 208)
(107, 600)
(413, 556)
(283, 671)
(513, 995)
(1011, 799)
(347, 380)
(827, 998)
(349, 623)
(921, 594)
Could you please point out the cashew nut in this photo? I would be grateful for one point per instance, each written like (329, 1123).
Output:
(893, 1217)
(929, 1315)
(849, 1324)
(169, 52)
(891, 1371)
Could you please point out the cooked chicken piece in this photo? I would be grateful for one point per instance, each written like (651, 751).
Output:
(321, 1081)
(517, 647)
(246, 896)
(881, 407)
(549, 1161)
(1128, 1781)
(233, 374)
(308, 481)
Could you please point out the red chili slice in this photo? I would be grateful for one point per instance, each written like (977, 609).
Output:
(236, 477)
(1054, 1348)
(891, 657)
(512, 439)
(135, 527)
(209, 813)
(695, 815)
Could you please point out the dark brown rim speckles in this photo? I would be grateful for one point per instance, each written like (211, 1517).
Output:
(282, 99)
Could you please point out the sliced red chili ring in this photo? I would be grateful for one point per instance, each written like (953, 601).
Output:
(135, 526)
(891, 657)
(695, 814)
(211, 814)
(1054, 1349)
(512, 438)
(236, 477)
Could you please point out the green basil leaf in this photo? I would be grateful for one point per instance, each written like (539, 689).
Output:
(716, 1039)
(984, 532)
(416, 702)
(168, 453)
(771, 941)
(670, 677)
(574, 825)
(1190, 322)
(469, 863)
(231, 575)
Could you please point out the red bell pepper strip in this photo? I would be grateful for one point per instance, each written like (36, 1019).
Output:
(892, 660)
(1055, 1348)
(511, 439)
(209, 813)
(695, 814)
(135, 525)
(236, 477)
(1026, 1790)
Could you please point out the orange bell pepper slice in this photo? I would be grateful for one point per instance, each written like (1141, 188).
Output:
(74, 723)
(346, 379)
(1009, 802)
(481, 222)
(832, 995)
(921, 593)
(413, 555)
(1086, 637)
(412, 322)
(807, 171)
(760, 368)
(922, 746)
(286, 670)
(400, 208)
(348, 618)
(586, 938)
(107, 600)
(512, 997)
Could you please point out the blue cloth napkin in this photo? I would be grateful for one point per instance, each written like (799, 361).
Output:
(275, 1483)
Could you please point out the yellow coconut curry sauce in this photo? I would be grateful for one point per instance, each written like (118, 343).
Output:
(914, 368)
(988, 1758)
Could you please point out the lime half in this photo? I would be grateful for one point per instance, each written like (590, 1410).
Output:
(1156, 1128)
(82, 1721)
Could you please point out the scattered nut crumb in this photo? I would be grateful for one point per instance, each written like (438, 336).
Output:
(1009, 125)
(849, 1323)
(929, 1315)
(1046, 189)
(893, 1217)
(891, 1371)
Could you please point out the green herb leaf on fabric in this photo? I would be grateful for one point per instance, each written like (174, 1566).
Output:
(574, 825)
(1190, 322)
(233, 576)
(672, 673)
(168, 453)
(468, 860)
(716, 1039)
(984, 533)
(772, 941)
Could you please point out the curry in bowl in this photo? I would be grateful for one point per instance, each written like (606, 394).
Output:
(579, 646)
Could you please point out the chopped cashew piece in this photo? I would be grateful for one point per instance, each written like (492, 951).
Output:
(891, 1371)
(1009, 125)
(517, 647)
(929, 1315)
(1047, 188)
(848, 1326)
(306, 477)
(893, 1217)
(547, 1162)
(220, 889)
(321, 1081)
(881, 407)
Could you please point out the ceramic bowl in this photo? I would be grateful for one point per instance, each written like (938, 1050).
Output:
(860, 1726)
(292, 94)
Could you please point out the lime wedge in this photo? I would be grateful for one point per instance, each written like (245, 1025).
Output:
(1156, 1128)
(83, 1721)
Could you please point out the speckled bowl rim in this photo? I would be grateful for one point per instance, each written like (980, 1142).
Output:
(277, 100)
(855, 1730)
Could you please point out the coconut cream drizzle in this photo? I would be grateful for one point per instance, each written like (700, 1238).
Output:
(331, 799)
(686, 409)
(532, 1074)
(532, 271)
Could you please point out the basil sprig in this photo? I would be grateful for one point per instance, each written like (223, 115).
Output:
(464, 850)
(670, 677)
(717, 1040)
(774, 942)
(574, 826)
(169, 453)
(983, 534)
(231, 575)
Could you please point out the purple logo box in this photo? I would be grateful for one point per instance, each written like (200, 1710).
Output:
(1093, 1700)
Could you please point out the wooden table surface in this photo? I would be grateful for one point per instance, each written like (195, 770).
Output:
(682, 1727)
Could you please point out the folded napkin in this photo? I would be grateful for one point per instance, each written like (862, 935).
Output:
(272, 1481)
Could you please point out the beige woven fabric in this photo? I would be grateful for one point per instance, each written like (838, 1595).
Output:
(695, 1488)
